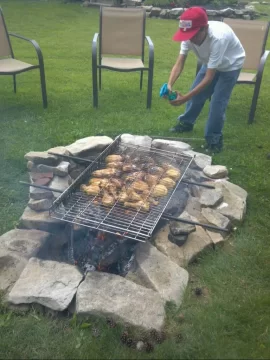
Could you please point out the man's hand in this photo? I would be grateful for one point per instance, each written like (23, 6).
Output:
(180, 100)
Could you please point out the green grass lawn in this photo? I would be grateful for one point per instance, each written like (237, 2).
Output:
(232, 319)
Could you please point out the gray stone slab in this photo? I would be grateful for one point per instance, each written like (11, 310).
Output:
(42, 157)
(137, 140)
(215, 218)
(170, 145)
(200, 160)
(89, 143)
(59, 170)
(112, 295)
(49, 283)
(39, 194)
(31, 219)
(40, 205)
(60, 183)
(210, 198)
(215, 171)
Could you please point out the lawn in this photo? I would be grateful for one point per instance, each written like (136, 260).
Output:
(232, 319)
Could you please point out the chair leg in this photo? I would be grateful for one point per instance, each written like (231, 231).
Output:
(141, 80)
(14, 84)
(254, 101)
(95, 86)
(43, 86)
(99, 79)
(150, 87)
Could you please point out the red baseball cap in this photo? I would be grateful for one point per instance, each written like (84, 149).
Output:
(190, 23)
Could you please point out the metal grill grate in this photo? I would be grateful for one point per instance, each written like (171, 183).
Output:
(76, 207)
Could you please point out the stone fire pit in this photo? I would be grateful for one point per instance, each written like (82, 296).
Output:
(31, 272)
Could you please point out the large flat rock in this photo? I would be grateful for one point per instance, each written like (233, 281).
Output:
(97, 143)
(31, 219)
(16, 247)
(200, 160)
(182, 255)
(216, 171)
(136, 140)
(49, 283)
(42, 157)
(170, 145)
(107, 294)
(160, 273)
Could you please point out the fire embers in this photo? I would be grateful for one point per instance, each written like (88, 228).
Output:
(100, 251)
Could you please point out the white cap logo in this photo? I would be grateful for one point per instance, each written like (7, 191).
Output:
(185, 24)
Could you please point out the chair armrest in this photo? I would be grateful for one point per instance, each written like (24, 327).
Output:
(262, 63)
(94, 48)
(151, 51)
(34, 43)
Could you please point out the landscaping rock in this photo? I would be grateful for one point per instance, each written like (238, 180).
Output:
(200, 160)
(49, 283)
(176, 12)
(41, 157)
(226, 12)
(97, 143)
(210, 197)
(112, 295)
(42, 181)
(162, 274)
(136, 140)
(215, 171)
(194, 209)
(216, 237)
(31, 219)
(39, 194)
(170, 145)
(61, 150)
(197, 241)
(155, 12)
(147, 8)
(61, 183)
(179, 240)
(60, 170)
(40, 175)
(215, 218)
(16, 247)
(180, 228)
(164, 13)
(234, 200)
(40, 205)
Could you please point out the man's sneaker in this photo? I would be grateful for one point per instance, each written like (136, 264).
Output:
(182, 127)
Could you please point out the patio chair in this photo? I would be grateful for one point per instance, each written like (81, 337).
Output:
(253, 36)
(122, 32)
(11, 66)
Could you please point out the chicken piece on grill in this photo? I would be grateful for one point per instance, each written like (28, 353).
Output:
(137, 175)
(106, 173)
(99, 182)
(123, 196)
(90, 189)
(159, 191)
(173, 173)
(132, 195)
(113, 158)
(111, 189)
(168, 182)
(140, 185)
(151, 179)
(115, 165)
(107, 199)
(167, 166)
(119, 183)
(131, 167)
(139, 205)
(155, 170)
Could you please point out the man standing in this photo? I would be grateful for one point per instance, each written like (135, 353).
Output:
(222, 57)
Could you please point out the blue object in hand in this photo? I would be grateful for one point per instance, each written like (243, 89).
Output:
(164, 92)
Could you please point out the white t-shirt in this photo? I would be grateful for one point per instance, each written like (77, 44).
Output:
(221, 49)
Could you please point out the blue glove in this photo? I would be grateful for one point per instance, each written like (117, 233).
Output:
(164, 92)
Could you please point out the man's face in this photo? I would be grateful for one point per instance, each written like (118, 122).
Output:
(199, 38)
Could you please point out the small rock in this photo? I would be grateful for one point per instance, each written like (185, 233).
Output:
(140, 345)
(155, 11)
(81, 146)
(216, 237)
(180, 228)
(169, 145)
(215, 171)
(40, 205)
(38, 194)
(61, 150)
(147, 8)
(60, 183)
(246, 17)
(200, 160)
(136, 140)
(30, 165)
(49, 283)
(41, 157)
(40, 175)
(178, 239)
(211, 197)
(31, 219)
(42, 181)
(60, 170)
(215, 218)
(176, 12)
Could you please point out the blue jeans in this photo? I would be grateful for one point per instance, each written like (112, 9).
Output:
(220, 90)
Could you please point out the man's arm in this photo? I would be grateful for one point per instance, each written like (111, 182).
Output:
(209, 76)
(176, 70)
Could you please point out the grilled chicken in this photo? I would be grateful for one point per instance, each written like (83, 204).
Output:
(156, 170)
(113, 158)
(111, 189)
(106, 173)
(90, 189)
(139, 205)
(173, 173)
(159, 191)
(115, 165)
(131, 167)
(123, 196)
(117, 182)
(151, 179)
(137, 175)
(99, 182)
(168, 182)
(107, 199)
(132, 195)
(140, 185)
